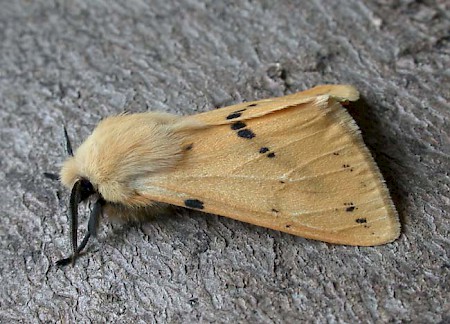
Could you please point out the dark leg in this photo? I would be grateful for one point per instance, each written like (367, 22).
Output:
(71, 259)
(93, 223)
(94, 219)
(75, 198)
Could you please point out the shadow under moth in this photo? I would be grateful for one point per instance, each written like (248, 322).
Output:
(296, 164)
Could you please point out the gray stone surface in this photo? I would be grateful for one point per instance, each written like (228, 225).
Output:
(75, 62)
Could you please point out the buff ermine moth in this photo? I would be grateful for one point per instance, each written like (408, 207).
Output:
(296, 164)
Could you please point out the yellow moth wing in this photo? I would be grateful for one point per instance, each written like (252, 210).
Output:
(266, 106)
(296, 164)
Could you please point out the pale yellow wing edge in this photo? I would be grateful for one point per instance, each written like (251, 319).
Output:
(318, 94)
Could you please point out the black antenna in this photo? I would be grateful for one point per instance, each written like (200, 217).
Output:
(68, 144)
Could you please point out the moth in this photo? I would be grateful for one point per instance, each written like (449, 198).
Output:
(297, 164)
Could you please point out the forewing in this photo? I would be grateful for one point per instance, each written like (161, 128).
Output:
(301, 169)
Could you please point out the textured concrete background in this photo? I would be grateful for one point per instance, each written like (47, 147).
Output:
(75, 62)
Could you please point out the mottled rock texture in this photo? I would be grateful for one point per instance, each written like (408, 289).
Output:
(75, 62)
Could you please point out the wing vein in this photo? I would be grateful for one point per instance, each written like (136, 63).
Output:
(283, 146)
(236, 176)
(310, 161)
(338, 207)
(323, 173)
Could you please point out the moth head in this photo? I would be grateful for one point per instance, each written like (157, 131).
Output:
(96, 163)
(69, 173)
(85, 189)
(81, 191)
(124, 149)
(71, 178)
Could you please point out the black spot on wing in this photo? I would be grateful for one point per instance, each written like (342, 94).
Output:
(265, 149)
(234, 115)
(240, 110)
(246, 133)
(189, 147)
(238, 125)
(350, 209)
(275, 210)
(194, 203)
(252, 105)
(361, 220)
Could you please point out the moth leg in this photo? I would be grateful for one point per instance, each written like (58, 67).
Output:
(66, 261)
(94, 219)
(93, 223)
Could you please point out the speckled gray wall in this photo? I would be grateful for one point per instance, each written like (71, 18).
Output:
(75, 62)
